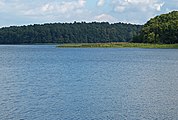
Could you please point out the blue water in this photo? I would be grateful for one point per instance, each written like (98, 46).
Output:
(42, 82)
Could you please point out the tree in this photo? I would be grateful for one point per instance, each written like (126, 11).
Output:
(161, 29)
(69, 33)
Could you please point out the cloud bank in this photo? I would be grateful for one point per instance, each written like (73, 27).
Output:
(19, 12)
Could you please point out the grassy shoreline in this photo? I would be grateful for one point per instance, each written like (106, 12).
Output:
(118, 45)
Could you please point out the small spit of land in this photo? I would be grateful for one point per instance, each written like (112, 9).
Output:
(118, 45)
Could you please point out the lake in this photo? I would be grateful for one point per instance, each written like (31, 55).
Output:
(42, 82)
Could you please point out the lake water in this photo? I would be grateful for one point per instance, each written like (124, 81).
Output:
(42, 82)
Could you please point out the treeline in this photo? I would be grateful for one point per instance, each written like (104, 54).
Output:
(69, 33)
(162, 29)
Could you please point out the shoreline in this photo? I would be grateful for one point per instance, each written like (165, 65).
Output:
(107, 45)
(33, 44)
(119, 45)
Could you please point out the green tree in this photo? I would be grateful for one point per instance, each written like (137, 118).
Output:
(161, 29)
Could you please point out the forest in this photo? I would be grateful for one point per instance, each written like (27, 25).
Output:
(77, 32)
(162, 29)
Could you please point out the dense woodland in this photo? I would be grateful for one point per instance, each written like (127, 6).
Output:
(69, 33)
(161, 29)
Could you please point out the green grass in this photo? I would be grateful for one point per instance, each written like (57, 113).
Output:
(118, 45)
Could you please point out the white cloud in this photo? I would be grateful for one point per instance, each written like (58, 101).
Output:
(158, 6)
(141, 5)
(47, 7)
(63, 7)
(54, 8)
(119, 8)
(105, 18)
(100, 2)
(136, 11)
(40, 11)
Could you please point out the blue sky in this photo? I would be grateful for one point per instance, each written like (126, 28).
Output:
(23, 12)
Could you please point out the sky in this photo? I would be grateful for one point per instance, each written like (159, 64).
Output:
(25, 12)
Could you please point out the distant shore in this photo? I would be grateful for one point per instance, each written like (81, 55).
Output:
(118, 45)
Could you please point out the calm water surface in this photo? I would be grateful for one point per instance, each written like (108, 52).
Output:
(43, 82)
